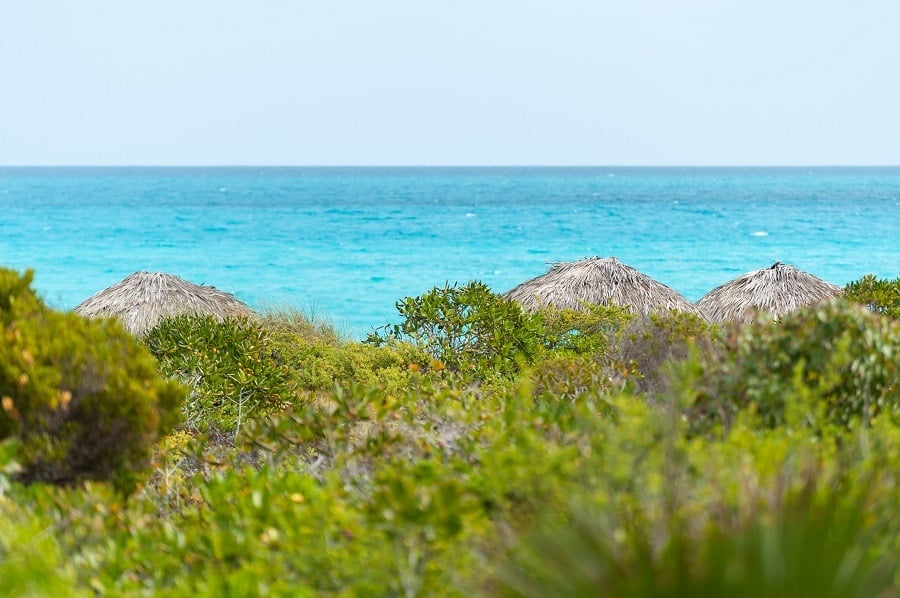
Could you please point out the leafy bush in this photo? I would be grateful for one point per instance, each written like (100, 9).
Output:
(320, 360)
(469, 329)
(757, 512)
(584, 331)
(837, 356)
(802, 549)
(31, 561)
(649, 343)
(82, 397)
(880, 295)
(320, 366)
(230, 365)
(553, 479)
(568, 377)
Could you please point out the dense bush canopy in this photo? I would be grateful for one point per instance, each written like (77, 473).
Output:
(878, 294)
(477, 450)
(81, 399)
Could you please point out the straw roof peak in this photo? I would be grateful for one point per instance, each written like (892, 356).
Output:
(777, 290)
(144, 298)
(596, 280)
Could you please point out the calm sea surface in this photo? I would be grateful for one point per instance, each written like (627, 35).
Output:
(347, 243)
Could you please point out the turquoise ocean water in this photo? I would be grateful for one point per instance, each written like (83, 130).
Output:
(347, 243)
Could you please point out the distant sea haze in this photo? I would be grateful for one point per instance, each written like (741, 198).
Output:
(346, 244)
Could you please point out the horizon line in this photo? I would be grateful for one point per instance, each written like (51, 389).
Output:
(469, 166)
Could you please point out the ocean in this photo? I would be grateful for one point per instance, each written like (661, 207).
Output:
(345, 244)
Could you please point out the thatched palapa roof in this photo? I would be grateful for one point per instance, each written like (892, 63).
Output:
(603, 281)
(142, 299)
(777, 290)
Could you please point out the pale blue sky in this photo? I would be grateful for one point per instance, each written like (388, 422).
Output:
(456, 82)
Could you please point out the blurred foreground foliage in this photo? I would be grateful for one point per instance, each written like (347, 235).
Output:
(81, 400)
(475, 449)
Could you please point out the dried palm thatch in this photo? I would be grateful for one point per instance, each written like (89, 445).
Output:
(777, 290)
(603, 281)
(142, 299)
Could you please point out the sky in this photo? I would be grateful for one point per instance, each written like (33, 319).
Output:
(449, 82)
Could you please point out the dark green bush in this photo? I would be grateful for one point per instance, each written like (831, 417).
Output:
(838, 357)
(82, 397)
(880, 295)
(469, 329)
(232, 365)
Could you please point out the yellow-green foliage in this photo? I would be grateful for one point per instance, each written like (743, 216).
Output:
(82, 397)
(233, 367)
(879, 295)
(320, 360)
(568, 377)
(584, 331)
(320, 366)
(447, 501)
(553, 479)
(31, 561)
(290, 323)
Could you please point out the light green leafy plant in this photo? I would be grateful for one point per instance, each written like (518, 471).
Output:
(879, 295)
(231, 365)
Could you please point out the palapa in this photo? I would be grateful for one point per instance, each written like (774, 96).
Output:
(776, 291)
(142, 299)
(601, 281)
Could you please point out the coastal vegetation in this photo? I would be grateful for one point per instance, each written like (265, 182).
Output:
(473, 448)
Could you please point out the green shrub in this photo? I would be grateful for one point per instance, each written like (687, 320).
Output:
(801, 549)
(547, 480)
(424, 489)
(780, 511)
(31, 561)
(474, 331)
(568, 377)
(320, 366)
(82, 397)
(879, 295)
(584, 331)
(645, 347)
(230, 364)
(469, 329)
(319, 360)
(838, 357)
